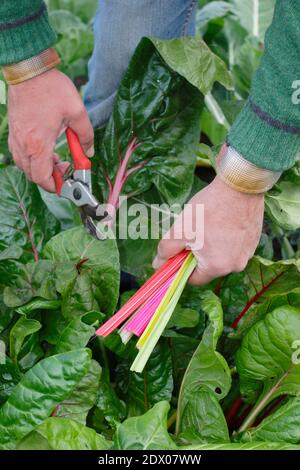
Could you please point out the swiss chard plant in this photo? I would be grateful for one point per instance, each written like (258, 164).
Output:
(226, 372)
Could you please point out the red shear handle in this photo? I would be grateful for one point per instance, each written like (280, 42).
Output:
(81, 162)
(58, 179)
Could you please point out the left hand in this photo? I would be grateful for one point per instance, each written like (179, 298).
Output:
(232, 228)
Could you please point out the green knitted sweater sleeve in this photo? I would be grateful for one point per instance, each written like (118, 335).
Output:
(24, 30)
(267, 131)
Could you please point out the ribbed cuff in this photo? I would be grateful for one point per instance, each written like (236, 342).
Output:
(267, 145)
(27, 40)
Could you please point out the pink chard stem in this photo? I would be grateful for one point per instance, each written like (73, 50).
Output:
(122, 175)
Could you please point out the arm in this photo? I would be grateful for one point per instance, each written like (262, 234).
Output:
(263, 142)
(24, 30)
(267, 131)
(42, 101)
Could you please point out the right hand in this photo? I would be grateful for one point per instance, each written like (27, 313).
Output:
(39, 110)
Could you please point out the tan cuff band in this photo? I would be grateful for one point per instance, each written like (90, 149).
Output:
(32, 67)
(242, 175)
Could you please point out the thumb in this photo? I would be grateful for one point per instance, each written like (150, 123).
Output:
(166, 249)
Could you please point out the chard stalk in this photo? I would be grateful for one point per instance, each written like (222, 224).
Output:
(143, 294)
(162, 315)
(122, 174)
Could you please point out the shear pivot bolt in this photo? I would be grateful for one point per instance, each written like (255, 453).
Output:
(77, 194)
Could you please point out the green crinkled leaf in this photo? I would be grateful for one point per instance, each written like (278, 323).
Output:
(262, 287)
(159, 108)
(255, 17)
(282, 205)
(31, 352)
(85, 9)
(22, 328)
(34, 280)
(283, 425)
(184, 318)
(146, 432)
(207, 370)
(9, 377)
(266, 352)
(244, 446)
(210, 11)
(26, 222)
(77, 332)
(38, 304)
(63, 434)
(155, 384)
(247, 60)
(75, 41)
(205, 418)
(109, 404)
(6, 315)
(89, 271)
(11, 252)
(193, 59)
(48, 383)
(268, 355)
(83, 397)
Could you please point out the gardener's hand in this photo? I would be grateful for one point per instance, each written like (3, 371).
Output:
(232, 228)
(39, 110)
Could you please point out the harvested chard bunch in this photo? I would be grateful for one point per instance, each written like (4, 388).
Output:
(148, 311)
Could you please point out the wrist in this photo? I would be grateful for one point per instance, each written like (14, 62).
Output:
(32, 67)
(242, 175)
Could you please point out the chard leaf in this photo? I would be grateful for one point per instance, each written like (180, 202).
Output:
(88, 273)
(205, 419)
(77, 332)
(265, 284)
(155, 384)
(282, 205)
(184, 318)
(11, 252)
(85, 9)
(38, 304)
(26, 222)
(210, 11)
(267, 355)
(193, 59)
(9, 377)
(159, 108)
(22, 328)
(63, 434)
(75, 38)
(34, 280)
(244, 446)
(207, 370)
(146, 432)
(283, 425)
(44, 386)
(255, 17)
(109, 404)
(6, 315)
(83, 397)
(31, 352)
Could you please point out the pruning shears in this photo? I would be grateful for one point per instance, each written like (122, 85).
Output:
(76, 186)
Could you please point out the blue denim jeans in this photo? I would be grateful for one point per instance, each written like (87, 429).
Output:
(118, 27)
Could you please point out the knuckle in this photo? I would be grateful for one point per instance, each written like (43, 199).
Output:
(39, 178)
(79, 112)
(240, 265)
(34, 144)
(162, 246)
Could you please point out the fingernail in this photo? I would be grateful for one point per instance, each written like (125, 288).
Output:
(90, 152)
